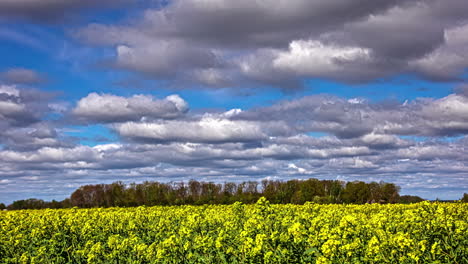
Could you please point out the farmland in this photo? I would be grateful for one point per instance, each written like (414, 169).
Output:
(258, 233)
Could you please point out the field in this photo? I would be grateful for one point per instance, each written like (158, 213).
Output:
(260, 233)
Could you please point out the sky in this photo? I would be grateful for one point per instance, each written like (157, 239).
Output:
(227, 91)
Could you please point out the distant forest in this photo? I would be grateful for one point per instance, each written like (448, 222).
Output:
(194, 192)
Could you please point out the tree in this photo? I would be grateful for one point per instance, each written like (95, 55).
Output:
(277, 192)
(407, 199)
(390, 192)
(27, 204)
(465, 198)
(2, 206)
(356, 192)
(194, 190)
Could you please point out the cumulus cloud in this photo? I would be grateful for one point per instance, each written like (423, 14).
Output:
(22, 124)
(107, 108)
(208, 129)
(314, 58)
(33, 137)
(18, 107)
(311, 59)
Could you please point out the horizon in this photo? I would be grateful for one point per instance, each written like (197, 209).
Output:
(176, 184)
(93, 92)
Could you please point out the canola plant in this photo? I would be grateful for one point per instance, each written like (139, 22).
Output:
(259, 233)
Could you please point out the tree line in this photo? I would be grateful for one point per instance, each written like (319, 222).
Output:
(195, 192)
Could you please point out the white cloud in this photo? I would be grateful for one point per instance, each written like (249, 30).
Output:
(9, 90)
(111, 108)
(313, 58)
(49, 154)
(209, 129)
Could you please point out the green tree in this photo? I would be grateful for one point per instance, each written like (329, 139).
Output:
(390, 192)
(465, 198)
(357, 192)
(407, 199)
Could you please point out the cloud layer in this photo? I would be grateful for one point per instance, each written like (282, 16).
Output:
(420, 145)
(223, 43)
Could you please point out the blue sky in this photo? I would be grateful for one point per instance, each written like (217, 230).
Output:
(95, 92)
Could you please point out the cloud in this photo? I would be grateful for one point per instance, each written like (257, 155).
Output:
(33, 137)
(391, 34)
(462, 90)
(22, 76)
(311, 59)
(164, 58)
(107, 108)
(283, 43)
(431, 152)
(382, 141)
(374, 125)
(410, 167)
(423, 117)
(16, 106)
(449, 60)
(252, 23)
(208, 129)
(155, 58)
(48, 10)
(22, 120)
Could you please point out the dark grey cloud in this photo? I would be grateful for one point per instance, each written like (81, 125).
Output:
(391, 35)
(49, 10)
(252, 23)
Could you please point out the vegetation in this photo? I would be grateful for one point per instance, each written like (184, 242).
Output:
(260, 233)
(465, 198)
(407, 199)
(198, 193)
